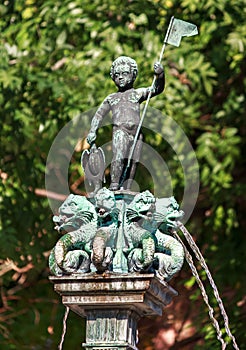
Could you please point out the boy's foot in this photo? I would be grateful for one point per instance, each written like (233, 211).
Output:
(114, 186)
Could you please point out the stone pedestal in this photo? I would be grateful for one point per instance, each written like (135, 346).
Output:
(112, 304)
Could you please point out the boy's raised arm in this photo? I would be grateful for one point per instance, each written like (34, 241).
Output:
(158, 85)
(160, 79)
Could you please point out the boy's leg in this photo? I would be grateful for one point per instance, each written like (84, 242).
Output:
(135, 160)
(121, 143)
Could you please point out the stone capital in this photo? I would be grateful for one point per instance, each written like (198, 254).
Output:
(112, 305)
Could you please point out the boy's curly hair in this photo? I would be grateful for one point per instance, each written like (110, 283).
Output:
(125, 60)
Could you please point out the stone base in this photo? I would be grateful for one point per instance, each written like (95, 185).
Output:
(112, 304)
(111, 329)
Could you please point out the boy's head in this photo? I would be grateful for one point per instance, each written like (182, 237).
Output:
(124, 71)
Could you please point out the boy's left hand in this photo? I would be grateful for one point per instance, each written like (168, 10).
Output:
(158, 68)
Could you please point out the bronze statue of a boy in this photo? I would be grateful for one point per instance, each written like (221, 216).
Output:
(125, 107)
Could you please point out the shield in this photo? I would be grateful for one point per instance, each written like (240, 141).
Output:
(93, 164)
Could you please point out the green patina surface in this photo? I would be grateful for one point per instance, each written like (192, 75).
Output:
(121, 232)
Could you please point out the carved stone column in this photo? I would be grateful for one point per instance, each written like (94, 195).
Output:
(112, 304)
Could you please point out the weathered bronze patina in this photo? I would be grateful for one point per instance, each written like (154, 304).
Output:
(125, 107)
(119, 231)
(118, 248)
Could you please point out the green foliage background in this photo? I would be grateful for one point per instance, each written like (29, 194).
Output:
(55, 61)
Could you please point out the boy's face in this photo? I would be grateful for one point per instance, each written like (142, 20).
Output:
(123, 76)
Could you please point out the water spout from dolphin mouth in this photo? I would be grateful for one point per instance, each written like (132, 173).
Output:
(201, 260)
(64, 327)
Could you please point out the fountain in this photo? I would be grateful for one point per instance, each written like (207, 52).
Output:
(119, 248)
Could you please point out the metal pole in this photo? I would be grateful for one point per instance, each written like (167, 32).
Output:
(146, 105)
